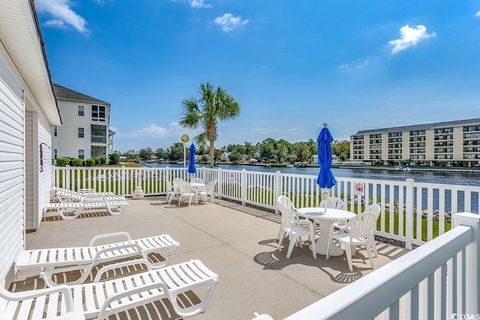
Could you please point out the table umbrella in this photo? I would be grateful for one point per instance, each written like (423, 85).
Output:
(325, 176)
(191, 161)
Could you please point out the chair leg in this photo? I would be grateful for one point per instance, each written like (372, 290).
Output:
(293, 240)
(348, 252)
(374, 247)
(369, 254)
(312, 237)
(281, 235)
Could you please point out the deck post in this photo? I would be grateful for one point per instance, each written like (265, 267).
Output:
(472, 296)
(219, 183)
(277, 189)
(409, 203)
(243, 188)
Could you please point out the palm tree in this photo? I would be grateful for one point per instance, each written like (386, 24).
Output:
(214, 105)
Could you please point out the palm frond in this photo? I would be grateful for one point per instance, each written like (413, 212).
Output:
(228, 107)
(192, 115)
(201, 139)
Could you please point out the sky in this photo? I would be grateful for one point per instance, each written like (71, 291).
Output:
(291, 64)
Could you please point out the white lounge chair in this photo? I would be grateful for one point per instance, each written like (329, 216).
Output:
(52, 303)
(101, 299)
(293, 226)
(71, 210)
(333, 203)
(65, 195)
(57, 260)
(114, 296)
(359, 232)
(208, 191)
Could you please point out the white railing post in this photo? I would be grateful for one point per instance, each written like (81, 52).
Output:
(219, 183)
(67, 177)
(244, 186)
(277, 188)
(472, 296)
(53, 173)
(409, 203)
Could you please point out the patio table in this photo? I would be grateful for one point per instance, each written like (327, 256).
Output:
(325, 220)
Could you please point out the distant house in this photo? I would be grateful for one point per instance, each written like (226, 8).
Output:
(86, 126)
(28, 112)
(224, 156)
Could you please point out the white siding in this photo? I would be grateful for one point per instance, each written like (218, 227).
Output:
(11, 170)
(30, 181)
(44, 178)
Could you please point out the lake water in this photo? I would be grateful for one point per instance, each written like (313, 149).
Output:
(470, 179)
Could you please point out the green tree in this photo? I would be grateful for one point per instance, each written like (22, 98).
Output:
(214, 105)
(145, 154)
(114, 158)
(161, 153)
(235, 156)
(341, 149)
(175, 152)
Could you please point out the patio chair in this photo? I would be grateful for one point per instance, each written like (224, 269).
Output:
(208, 191)
(175, 190)
(197, 180)
(293, 226)
(71, 210)
(186, 193)
(342, 227)
(52, 303)
(57, 260)
(333, 203)
(359, 232)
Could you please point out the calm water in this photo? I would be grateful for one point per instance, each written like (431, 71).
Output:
(471, 179)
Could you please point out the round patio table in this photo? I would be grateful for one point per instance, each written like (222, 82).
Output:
(198, 186)
(325, 220)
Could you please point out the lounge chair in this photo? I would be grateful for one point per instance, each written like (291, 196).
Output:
(52, 303)
(65, 195)
(57, 260)
(71, 210)
(100, 299)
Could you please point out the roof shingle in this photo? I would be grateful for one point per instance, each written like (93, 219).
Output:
(63, 93)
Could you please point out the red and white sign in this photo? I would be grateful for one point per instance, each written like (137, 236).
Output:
(359, 189)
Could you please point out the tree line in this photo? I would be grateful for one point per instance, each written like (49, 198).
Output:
(267, 151)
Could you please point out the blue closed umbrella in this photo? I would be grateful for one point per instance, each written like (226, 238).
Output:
(191, 161)
(325, 176)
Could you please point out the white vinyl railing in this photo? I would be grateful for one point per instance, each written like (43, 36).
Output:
(439, 280)
(411, 212)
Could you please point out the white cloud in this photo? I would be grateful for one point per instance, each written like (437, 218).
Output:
(61, 11)
(54, 23)
(410, 37)
(477, 14)
(152, 131)
(228, 22)
(199, 4)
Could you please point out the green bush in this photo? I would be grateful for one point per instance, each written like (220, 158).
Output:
(89, 162)
(114, 158)
(102, 161)
(96, 160)
(62, 162)
(76, 162)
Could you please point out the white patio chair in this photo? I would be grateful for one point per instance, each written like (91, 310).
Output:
(84, 259)
(186, 193)
(333, 203)
(197, 180)
(175, 190)
(71, 210)
(293, 226)
(52, 303)
(65, 195)
(208, 191)
(359, 232)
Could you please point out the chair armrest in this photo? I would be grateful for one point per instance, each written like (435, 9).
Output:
(160, 286)
(123, 234)
(118, 265)
(19, 296)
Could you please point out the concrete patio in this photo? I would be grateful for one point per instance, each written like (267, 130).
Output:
(238, 245)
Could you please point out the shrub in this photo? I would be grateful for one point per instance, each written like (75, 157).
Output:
(96, 160)
(62, 162)
(114, 158)
(89, 162)
(102, 160)
(76, 162)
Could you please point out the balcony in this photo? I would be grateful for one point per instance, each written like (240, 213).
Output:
(98, 134)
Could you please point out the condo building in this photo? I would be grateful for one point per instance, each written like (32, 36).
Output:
(85, 132)
(441, 143)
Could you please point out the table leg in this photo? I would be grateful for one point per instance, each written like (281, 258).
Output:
(321, 244)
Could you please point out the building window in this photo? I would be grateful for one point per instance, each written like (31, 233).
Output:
(81, 132)
(98, 113)
(55, 131)
(55, 153)
(81, 154)
(81, 111)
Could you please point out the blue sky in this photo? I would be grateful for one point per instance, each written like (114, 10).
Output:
(291, 64)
